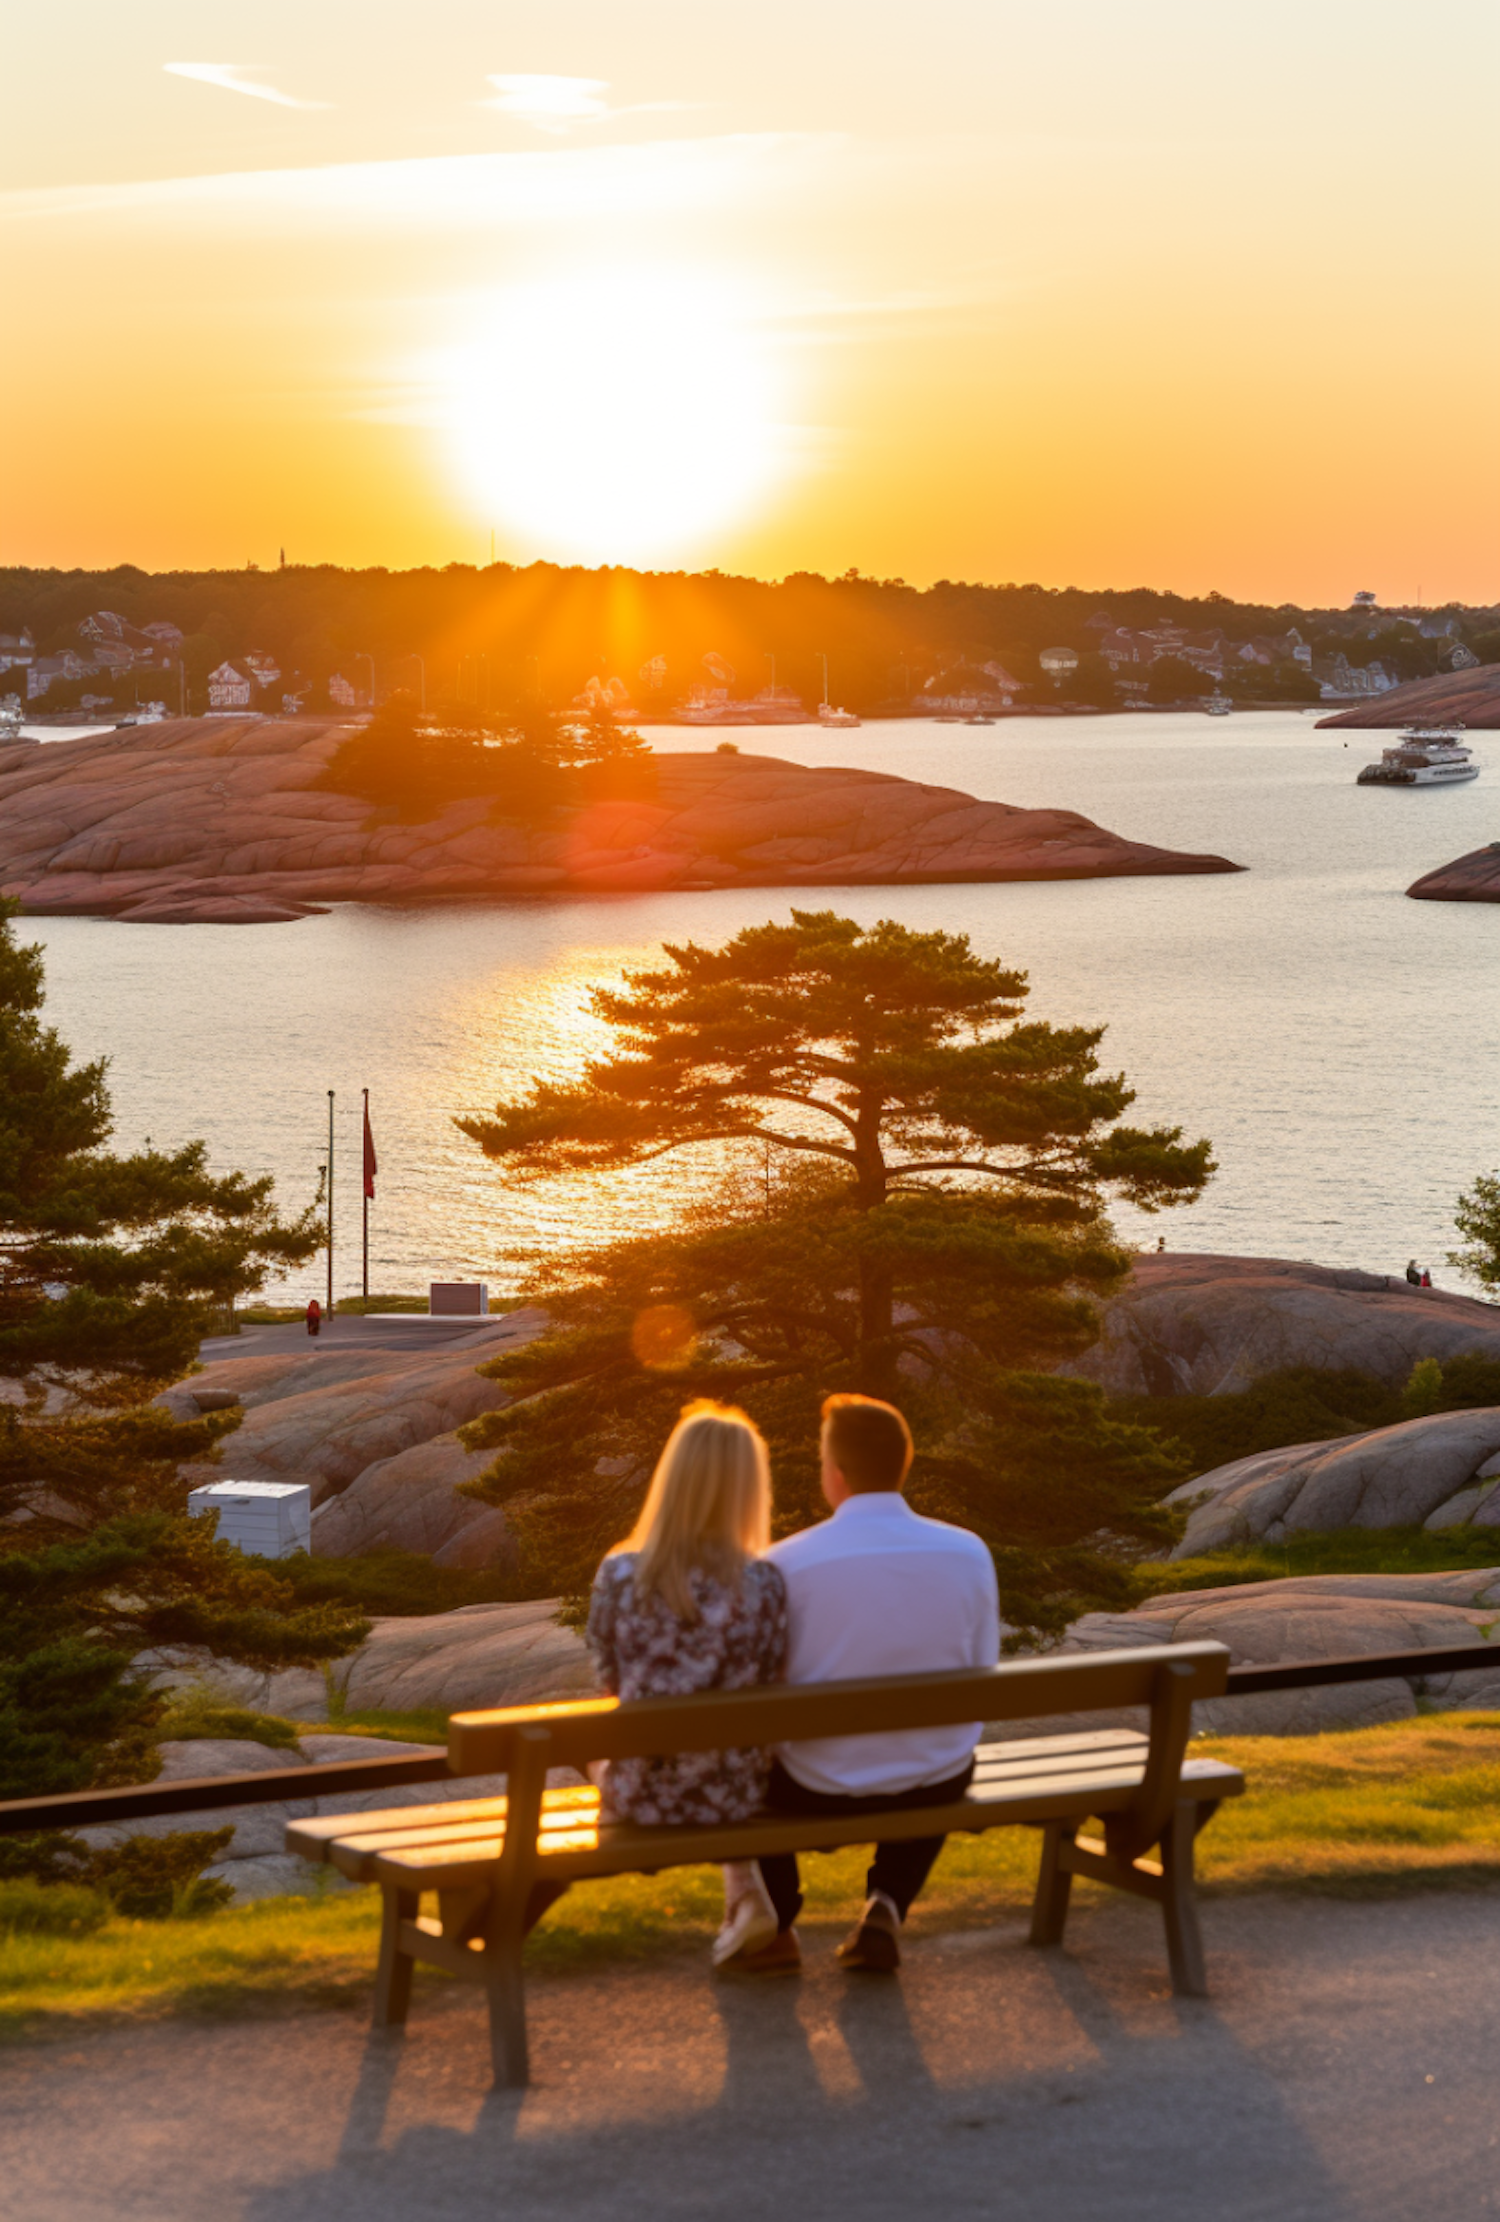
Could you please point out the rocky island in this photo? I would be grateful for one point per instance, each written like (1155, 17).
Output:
(223, 820)
(1474, 878)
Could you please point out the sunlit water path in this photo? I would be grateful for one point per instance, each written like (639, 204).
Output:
(1340, 1044)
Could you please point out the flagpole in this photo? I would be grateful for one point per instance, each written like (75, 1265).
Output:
(364, 1188)
(330, 1204)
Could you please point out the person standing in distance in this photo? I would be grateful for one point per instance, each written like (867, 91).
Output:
(875, 1590)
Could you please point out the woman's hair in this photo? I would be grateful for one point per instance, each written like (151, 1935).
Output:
(709, 1505)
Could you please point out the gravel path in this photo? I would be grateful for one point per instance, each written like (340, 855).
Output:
(1344, 2069)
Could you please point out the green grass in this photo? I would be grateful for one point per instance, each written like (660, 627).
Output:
(1342, 1551)
(428, 1725)
(1414, 1806)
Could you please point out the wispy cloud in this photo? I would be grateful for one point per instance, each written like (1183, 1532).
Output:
(557, 103)
(463, 192)
(231, 77)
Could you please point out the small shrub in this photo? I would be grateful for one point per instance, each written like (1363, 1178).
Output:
(1424, 1390)
(727, 748)
(38, 1909)
(1470, 1381)
(51, 1858)
(154, 1878)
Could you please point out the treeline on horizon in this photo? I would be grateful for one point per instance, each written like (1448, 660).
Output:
(501, 634)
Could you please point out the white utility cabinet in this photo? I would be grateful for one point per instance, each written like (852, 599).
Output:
(267, 1519)
(458, 1300)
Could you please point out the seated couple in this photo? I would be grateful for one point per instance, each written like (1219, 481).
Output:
(697, 1598)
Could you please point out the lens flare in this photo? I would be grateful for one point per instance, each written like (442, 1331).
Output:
(663, 1337)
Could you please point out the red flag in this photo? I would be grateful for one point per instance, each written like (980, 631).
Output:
(370, 1166)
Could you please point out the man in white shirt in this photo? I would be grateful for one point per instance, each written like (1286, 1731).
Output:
(876, 1590)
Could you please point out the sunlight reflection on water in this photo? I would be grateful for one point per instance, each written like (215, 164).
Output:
(1337, 1042)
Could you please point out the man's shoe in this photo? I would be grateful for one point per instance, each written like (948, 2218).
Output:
(782, 1956)
(873, 1947)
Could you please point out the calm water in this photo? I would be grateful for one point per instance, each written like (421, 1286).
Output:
(1339, 1044)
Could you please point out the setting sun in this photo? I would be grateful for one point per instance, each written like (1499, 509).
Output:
(614, 415)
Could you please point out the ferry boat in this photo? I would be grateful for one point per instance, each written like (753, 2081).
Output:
(828, 715)
(1425, 756)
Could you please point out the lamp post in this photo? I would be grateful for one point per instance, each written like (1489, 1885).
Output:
(771, 660)
(362, 658)
(823, 660)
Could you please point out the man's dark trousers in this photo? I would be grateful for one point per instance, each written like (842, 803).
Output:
(899, 1869)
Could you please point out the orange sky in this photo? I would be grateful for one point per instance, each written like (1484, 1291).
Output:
(1095, 293)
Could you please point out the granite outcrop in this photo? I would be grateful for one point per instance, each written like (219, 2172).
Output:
(1440, 1472)
(1196, 1324)
(223, 820)
(373, 1435)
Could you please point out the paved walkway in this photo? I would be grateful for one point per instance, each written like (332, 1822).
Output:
(413, 1333)
(1344, 2072)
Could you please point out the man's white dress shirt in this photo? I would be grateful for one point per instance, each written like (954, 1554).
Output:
(879, 1590)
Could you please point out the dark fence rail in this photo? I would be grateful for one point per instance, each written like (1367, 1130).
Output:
(138, 1800)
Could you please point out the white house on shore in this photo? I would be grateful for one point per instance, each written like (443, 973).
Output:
(228, 689)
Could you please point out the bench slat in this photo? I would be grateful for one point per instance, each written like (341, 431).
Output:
(623, 1848)
(472, 1830)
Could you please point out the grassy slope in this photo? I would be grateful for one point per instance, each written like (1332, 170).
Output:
(1415, 1805)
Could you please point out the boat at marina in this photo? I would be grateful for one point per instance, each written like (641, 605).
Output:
(1218, 705)
(1425, 756)
(828, 715)
(772, 706)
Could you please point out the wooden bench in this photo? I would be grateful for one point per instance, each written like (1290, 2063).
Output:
(495, 1864)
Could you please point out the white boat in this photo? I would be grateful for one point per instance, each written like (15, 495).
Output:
(1426, 756)
(772, 706)
(1218, 705)
(828, 715)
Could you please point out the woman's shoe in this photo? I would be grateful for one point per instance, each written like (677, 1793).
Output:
(749, 1926)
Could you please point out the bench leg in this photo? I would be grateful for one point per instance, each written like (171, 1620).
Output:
(1180, 1905)
(508, 2049)
(393, 1971)
(1054, 1887)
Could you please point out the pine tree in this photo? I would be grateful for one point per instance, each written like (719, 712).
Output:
(911, 1202)
(112, 1268)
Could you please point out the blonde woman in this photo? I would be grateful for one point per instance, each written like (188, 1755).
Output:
(686, 1603)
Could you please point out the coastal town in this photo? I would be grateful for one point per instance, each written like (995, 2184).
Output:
(109, 666)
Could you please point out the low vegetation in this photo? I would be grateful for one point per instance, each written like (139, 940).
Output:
(1340, 1551)
(1414, 1806)
(525, 764)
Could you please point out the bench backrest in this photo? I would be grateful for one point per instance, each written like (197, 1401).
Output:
(522, 1742)
(776, 1713)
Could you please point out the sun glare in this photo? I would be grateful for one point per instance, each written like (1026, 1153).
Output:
(615, 417)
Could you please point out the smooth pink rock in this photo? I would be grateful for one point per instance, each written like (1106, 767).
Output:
(156, 819)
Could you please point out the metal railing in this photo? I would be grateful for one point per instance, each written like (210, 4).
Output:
(141, 1800)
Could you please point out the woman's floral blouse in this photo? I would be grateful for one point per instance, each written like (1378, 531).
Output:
(641, 1649)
